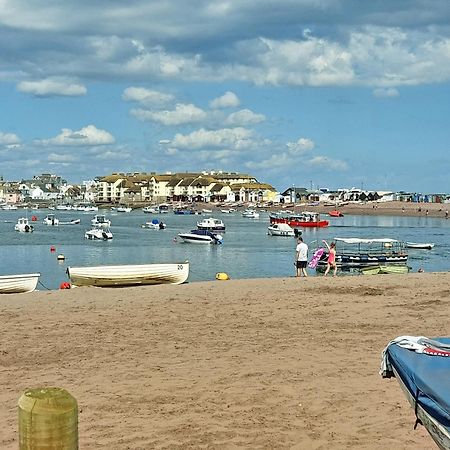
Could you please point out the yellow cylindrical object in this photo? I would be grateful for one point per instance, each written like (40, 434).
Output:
(222, 276)
(48, 420)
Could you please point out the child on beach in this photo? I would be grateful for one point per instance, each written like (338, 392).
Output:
(331, 261)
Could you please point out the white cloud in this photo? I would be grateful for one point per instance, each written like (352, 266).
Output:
(146, 96)
(182, 114)
(386, 92)
(227, 100)
(56, 86)
(9, 139)
(327, 163)
(87, 136)
(238, 138)
(58, 158)
(300, 147)
(244, 117)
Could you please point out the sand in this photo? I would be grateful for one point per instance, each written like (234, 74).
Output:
(258, 364)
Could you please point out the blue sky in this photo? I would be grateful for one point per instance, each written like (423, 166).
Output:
(328, 93)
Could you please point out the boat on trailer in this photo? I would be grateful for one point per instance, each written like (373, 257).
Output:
(422, 367)
(14, 284)
(356, 252)
(129, 275)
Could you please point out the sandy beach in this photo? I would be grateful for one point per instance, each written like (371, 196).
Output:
(260, 364)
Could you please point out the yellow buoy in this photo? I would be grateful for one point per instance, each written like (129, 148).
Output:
(48, 419)
(222, 276)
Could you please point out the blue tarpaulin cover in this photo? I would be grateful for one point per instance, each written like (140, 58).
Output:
(427, 377)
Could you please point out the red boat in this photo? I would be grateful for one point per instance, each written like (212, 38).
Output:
(335, 213)
(304, 219)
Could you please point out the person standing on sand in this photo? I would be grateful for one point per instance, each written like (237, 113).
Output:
(331, 261)
(301, 258)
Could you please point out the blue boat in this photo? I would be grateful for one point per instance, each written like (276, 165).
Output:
(422, 368)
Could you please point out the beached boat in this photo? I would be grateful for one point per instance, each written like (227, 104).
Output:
(335, 213)
(304, 219)
(129, 275)
(418, 245)
(12, 284)
(201, 237)
(384, 269)
(98, 234)
(280, 229)
(211, 224)
(50, 219)
(100, 221)
(356, 252)
(422, 366)
(23, 225)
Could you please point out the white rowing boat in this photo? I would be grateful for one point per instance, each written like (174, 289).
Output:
(129, 275)
(12, 284)
(425, 246)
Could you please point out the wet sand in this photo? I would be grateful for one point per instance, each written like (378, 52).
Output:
(258, 364)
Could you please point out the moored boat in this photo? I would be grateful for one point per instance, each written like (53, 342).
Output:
(201, 237)
(12, 284)
(129, 275)
(155, 224)
(280, 229)
(23, 225)
(211, 224)
(250, 214)
(304, 219)
(98, 234)
(335, 213)
(100, 221)
(50, 219)
(418, 245)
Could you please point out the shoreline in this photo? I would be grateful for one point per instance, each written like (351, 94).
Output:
(255, 363)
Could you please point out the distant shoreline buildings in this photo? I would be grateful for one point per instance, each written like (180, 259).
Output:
(139, 188)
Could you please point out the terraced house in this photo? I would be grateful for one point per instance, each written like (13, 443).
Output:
(121, 188)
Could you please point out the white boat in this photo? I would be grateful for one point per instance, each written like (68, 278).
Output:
(99, 234)
(425, 246)
(50, 219)
(63, 207)
(129, 275)
(124, 209)
(250, 214)
(280, 229)
(9, 207)
(155, 224)
(12, 284)
(227, 211)
(201, 237)
(23, 225)
(150, 209)
(70, 222)
(100, 221)
(206, 211)
(211, 224)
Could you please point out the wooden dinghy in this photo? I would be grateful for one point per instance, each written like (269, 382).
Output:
(419, 245)
(13, 284)
(129, 275)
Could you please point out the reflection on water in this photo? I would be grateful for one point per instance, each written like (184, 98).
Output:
(247, 251)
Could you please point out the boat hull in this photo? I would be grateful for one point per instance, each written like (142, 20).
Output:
(195, 239)
(13, 284)
(426, 246)
(296, 223)
(129, 275)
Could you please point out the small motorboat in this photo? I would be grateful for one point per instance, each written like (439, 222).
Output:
(227, 211)
(201, 237)
(250, 214)
(100, 221)
(211, 224)
(50, 219)
(98, 234)
(70, 222)
(280, 229)
(424, 246)
(23, 225)
(124, 209)
(335, 213)
(155, 224)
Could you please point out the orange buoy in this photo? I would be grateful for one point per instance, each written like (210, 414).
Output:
(64, 285)
(53, 249)
(34, 218)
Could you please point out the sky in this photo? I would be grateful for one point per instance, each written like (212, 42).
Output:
(305, 93)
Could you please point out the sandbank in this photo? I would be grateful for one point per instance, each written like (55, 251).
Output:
(260, 364)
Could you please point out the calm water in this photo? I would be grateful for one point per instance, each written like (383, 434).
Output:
(247, 252)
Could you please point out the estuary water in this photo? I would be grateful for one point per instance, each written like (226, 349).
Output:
(247, 250)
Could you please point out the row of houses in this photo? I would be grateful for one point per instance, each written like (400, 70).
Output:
(144, 188)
